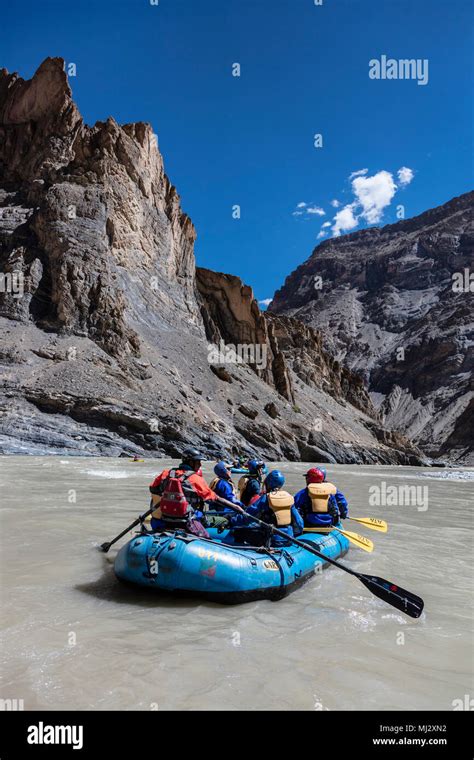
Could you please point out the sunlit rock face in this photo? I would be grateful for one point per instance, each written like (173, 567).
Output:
(396, 305)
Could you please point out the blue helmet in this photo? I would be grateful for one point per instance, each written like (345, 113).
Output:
(221, 470)
(323, 470)
(254, 465)
(275, 479)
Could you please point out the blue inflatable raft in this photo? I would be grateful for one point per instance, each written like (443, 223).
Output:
(245, 471)
(184, 564)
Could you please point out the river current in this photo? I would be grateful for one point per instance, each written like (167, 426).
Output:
(73, 637)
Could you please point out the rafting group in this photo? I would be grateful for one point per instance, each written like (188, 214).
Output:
(254, 541)
(319, 505)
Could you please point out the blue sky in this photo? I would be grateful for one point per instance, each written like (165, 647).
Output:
(249, 140)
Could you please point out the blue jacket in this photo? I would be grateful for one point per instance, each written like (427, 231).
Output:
(263, 511)
(223, 488)
(337, 508)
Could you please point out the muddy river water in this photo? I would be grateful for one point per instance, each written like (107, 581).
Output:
(72, 637)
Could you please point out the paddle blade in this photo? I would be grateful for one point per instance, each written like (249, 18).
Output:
(105, 547)
(403, 600)
(360, 541)
(372, 523)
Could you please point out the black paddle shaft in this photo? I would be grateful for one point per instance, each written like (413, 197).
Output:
(403, 600)
(105, 547)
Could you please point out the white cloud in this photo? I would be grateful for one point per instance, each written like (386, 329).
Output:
(308, 209)
(374, 194)
(266, 302)
(345, 220)
(405, 176)
(359, 173)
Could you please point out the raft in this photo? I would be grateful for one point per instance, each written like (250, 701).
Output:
(245, 471)
(182, 564)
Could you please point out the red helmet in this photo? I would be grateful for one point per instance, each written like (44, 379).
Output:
(314, 475)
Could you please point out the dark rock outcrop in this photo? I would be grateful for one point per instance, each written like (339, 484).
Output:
(391, 307)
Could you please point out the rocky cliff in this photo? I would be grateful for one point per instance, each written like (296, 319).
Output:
(110, 342)
(396, 305)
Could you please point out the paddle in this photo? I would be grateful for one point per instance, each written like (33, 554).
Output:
(355, 538)
(390, 593)
(105, 547)
(371, 522)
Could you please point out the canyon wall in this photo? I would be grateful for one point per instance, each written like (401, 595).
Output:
(108, 332)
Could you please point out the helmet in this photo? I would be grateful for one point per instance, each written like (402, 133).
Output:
(275, 479)
(254, 465)
(221, 470)
(191, 455)
(315, 475)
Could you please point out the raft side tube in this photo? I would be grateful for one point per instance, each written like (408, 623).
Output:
(184, 564)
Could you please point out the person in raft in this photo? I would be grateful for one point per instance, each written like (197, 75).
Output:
(320, 504)
(250, 486)
(275, 507)
(179, 495)
(223, 486)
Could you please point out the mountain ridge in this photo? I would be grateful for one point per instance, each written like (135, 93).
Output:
(387, 306)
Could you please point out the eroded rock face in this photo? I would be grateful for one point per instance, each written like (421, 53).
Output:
(90, 215)
(231, 314)
(388, 310)
(105, 351)
(302, 348)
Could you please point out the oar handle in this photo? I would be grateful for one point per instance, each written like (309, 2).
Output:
(105, 547)
(230, 504)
